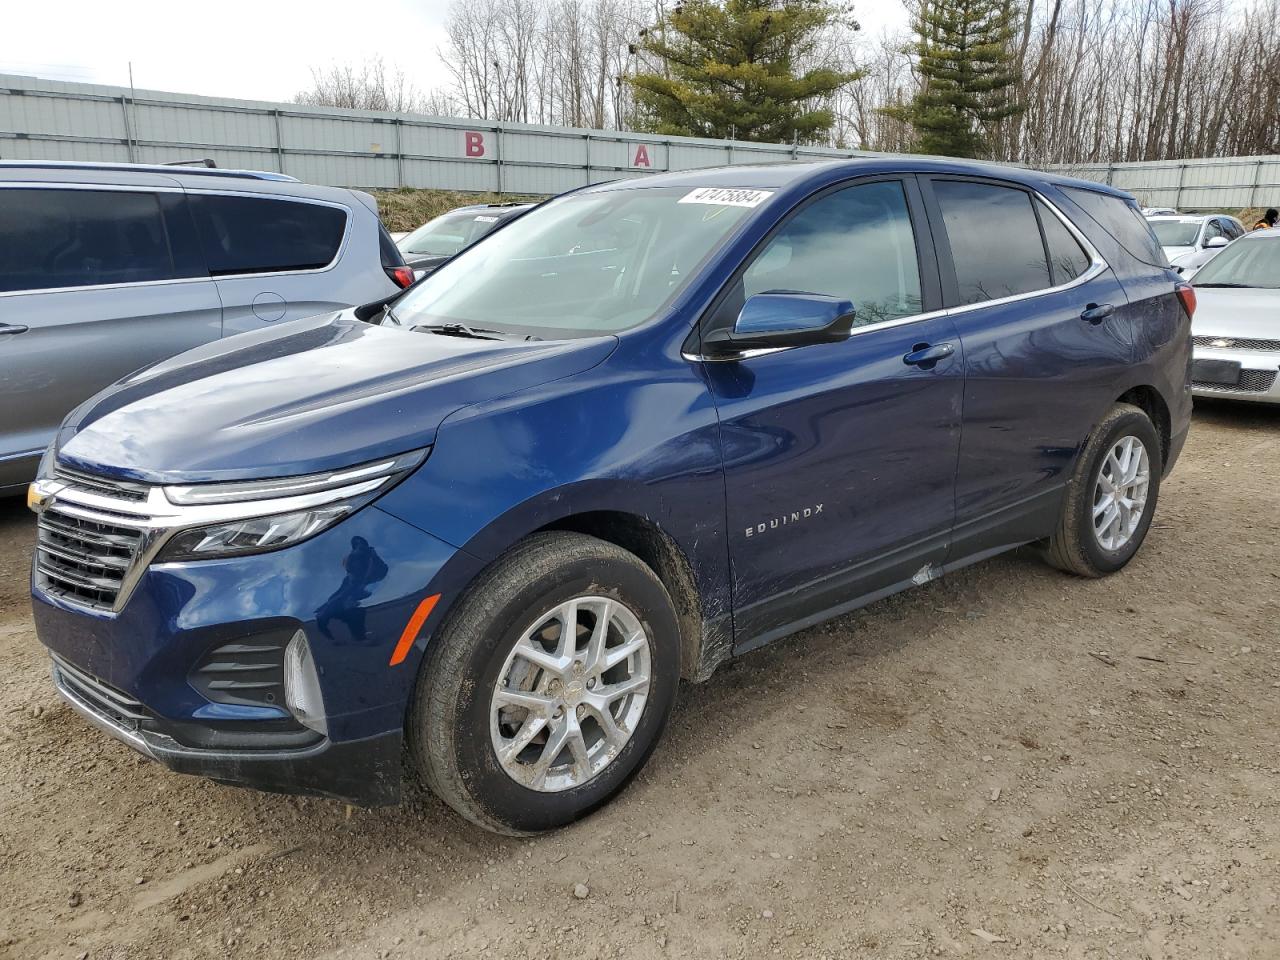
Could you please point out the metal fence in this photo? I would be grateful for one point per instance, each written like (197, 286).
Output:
(55, 120)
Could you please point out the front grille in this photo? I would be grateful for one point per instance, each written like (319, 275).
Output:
(1251, 381)
(1238, 343)
(120, 489)
(84, 561)
(116, 705)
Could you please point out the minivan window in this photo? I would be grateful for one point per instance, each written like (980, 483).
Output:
(1123, 220)
(856, 244)
(1067, 258)
(265, 234)
(582, 265)
(995, 241)
(52, 238)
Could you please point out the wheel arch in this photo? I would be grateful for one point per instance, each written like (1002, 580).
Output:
(645, 539)
(1148, 399)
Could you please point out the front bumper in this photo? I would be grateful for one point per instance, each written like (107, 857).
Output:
(367, 772)
(1259, 375)
(137, 673)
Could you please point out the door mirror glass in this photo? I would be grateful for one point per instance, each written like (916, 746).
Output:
(783, 319)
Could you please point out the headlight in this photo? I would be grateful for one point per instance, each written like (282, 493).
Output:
(257, 516)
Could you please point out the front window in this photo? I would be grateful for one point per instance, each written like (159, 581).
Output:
(585, 264)
(1249, 263)
(1175, 233)
(444, 236)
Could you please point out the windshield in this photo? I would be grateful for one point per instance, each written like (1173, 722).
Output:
(1249, 263)
(581, 265)
(1175, 233)
(446, 235)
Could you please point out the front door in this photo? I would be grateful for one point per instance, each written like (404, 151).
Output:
(840, 458)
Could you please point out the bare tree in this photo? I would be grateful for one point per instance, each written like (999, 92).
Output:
(367, 86)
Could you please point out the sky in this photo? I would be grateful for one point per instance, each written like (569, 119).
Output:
(261, 50)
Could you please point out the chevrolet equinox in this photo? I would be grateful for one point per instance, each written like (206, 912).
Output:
(483, 531)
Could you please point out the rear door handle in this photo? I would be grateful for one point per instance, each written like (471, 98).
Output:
(8, 328)
(926, 355)
(1095, 313)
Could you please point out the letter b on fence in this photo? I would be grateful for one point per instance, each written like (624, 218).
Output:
(475, 143)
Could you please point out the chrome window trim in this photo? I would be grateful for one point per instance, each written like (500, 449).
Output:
(347, 230)
(1097, 266)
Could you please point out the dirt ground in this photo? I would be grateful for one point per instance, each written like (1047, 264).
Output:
(947, 773)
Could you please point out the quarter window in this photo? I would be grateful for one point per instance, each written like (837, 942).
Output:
(1123, 220)
(76, 238)
(265, 234)
(994, 238)
(856, 244)
(1067, 259)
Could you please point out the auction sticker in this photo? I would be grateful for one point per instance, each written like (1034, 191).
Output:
(727, 196)
(486, 219)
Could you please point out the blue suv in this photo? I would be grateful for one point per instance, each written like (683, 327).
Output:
(485, 529)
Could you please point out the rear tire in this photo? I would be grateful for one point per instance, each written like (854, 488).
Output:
(1111, 496)
(505, 683)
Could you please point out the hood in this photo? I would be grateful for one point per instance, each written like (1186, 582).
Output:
(307, 396)
(1173, 253)
(1251, 314)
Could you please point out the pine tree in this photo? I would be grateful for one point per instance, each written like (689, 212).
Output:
(730, 70)
(967, 69)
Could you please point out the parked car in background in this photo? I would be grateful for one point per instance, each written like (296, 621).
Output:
(647, 426)
(437, 240)
(105, 268)
(1191, 241)
(1237, 326)
(1158, 211)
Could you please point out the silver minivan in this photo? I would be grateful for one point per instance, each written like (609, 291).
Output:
(109, 267)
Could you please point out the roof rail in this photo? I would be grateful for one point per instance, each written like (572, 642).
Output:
(201, 171)
(203, 162)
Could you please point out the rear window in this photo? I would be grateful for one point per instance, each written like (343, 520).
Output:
(266, 234)
(76, 238)
(1124, 221)
(995, 240)
(388, 250)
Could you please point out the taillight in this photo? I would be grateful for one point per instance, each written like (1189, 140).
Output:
(1187, 297)
(403, 276)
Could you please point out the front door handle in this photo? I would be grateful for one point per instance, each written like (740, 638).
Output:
(926, 355)
(1095, 313)
(8, 328)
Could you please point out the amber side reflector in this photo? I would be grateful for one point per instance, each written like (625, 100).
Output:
(412, 628)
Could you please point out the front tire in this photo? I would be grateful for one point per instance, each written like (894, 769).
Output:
(549, 685)
(1111, 496)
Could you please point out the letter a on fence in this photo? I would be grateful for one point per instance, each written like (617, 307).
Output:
(642, 157)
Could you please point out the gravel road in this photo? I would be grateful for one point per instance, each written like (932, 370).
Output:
(951, 772)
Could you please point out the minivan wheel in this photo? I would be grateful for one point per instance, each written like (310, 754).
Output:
(1111, 496)
(548, 686)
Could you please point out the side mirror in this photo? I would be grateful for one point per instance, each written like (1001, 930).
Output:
(779, 319)
(1215, 242)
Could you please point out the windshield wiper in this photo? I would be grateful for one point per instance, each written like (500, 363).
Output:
(1244, 286)
(461, 330)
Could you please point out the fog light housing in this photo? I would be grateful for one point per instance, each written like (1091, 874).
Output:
(302, 685)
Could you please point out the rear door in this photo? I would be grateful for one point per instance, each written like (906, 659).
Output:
(95, 282)
(1045, 335)
(273, 258)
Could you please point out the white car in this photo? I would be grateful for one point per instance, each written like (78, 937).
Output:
(1236, 329)
(1190, 241)
(1159, 211)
